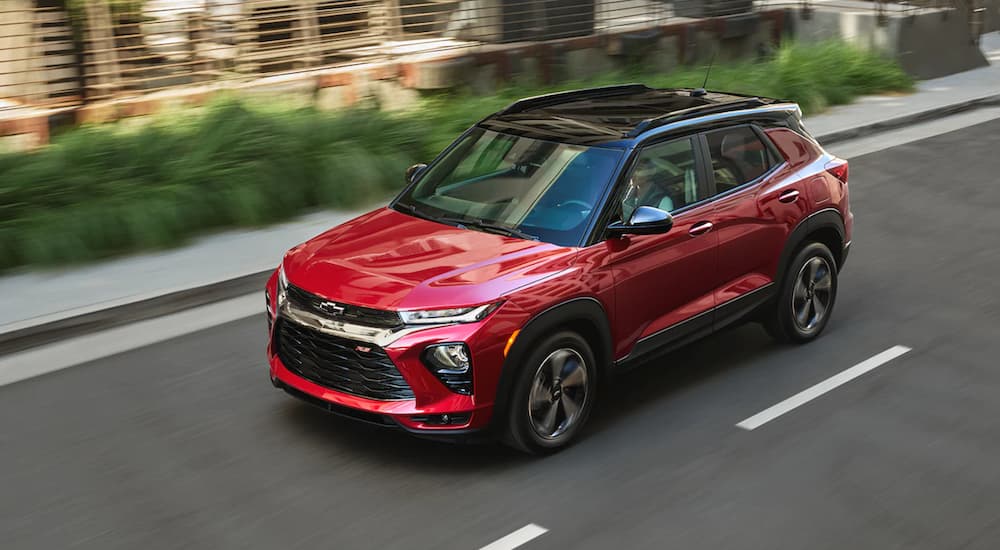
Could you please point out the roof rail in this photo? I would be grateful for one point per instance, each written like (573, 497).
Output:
(711, 108)
(574, 95)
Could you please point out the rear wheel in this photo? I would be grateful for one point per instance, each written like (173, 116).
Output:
(806, 297)
(553, 394)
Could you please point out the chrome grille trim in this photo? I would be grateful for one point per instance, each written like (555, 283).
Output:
(381, 337)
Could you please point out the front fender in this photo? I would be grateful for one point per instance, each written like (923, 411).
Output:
(581, 313)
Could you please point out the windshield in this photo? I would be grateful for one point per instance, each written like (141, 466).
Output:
(514, 185)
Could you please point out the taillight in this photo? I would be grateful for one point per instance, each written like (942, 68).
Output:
(838, 168)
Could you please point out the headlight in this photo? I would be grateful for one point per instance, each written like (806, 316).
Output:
(282, 291)
(454, 315)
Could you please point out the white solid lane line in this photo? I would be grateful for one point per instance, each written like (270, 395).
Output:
(91, 347)
(517, 538)
(813, 392)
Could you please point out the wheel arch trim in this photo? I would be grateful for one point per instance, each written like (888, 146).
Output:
(584, 308)
(828, 218)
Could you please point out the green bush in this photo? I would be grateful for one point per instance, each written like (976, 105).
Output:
(106, 190)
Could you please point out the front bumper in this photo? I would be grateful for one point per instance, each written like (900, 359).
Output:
(434, 410)
(407, 414)
(457, 433)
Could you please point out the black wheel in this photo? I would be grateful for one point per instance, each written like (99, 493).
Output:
(806, 297)
(554, 393)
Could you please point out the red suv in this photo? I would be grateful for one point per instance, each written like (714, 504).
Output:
(554, 244)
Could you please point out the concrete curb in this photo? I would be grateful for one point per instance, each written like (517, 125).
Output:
(47, 332)
(909, 120)
(172, 302)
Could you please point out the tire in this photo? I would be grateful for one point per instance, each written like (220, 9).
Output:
(806, 298)
(528, 428)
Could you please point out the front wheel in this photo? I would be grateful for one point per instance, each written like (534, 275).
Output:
(553, 395)
(806, 297)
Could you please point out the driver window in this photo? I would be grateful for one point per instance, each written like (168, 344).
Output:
(665, 176)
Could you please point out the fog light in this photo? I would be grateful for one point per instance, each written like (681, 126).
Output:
(450, 363)
(450, 358)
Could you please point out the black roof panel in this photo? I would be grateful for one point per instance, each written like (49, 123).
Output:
(601, 115)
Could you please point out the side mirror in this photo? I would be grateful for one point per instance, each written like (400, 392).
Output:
(414, 171)
(646, 220)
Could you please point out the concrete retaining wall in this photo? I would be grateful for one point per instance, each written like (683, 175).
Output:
(928, 43)
(938, 44)
(991, 15)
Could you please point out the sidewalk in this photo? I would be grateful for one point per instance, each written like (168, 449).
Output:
(40, 297)
(939, 93)
(32, 299)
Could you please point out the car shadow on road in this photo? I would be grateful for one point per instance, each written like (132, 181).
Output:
(379, 444)
(660, 379)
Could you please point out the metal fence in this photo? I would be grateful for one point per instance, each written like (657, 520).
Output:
(95, 50)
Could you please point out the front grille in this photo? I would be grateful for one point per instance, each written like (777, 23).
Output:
(350, 366)
(328, 309)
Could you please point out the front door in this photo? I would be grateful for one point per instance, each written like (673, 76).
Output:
(664, 283)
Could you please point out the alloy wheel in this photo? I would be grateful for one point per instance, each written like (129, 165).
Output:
(812, 294)
(559, 392)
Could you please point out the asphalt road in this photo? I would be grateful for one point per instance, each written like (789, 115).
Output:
(184, 444)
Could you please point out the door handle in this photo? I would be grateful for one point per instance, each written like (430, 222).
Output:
(791, 195)
(700, 228)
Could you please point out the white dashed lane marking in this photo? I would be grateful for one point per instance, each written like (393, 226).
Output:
(517, 538)
(813, 392)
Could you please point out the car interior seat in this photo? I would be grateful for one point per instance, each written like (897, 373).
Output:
(745, 155)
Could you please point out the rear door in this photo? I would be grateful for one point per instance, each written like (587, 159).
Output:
(758, 203)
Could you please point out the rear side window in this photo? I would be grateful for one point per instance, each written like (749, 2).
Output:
(738, 157)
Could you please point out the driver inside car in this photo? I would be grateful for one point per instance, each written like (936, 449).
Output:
(661, 185)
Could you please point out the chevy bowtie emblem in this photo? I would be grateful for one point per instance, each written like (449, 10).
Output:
(331, 307)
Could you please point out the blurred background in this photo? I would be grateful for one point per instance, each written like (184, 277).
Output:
(65, 53)
(158, 156)
(241, 94)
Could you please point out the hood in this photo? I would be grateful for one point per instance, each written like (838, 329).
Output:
(390, 260)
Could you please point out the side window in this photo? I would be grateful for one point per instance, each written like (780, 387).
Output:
(738, 157)
(665, 176)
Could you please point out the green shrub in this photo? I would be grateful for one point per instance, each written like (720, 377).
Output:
(105, 190)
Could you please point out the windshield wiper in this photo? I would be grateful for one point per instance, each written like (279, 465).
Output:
(489, 227)
(412, 209)
(467, 223)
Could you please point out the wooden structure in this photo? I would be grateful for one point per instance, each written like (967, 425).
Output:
(218, 39)
(37, 62)
(286, 34)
